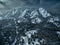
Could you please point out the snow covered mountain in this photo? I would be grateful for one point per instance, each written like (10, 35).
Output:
(35, 16)
(27, 26)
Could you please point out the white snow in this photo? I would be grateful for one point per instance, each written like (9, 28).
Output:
(44, 12)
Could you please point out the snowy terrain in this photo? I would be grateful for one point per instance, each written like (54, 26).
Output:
(28, 25)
